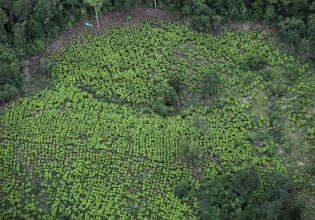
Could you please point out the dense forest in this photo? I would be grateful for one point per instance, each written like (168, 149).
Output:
(29, 25)
(158, 119)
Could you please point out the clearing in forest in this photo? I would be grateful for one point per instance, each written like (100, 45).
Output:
(95, 147)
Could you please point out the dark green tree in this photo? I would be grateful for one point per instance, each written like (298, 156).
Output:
(22, 9)
(311, 26)
(254, 62)
(293, 29)
(3, 19)
(160, 108)
(210, 83)
(278, 194)
(176, 83)
(246, 182)
(191, 151)
(20, 37)
(8, 92)
(182, 189)
(199, 13)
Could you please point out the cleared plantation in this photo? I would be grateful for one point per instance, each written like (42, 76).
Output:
(93, 148)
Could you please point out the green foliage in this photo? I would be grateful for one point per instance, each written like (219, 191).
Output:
(166, 100)
(293, 29)
(8, 92)
(10, 77)
(311, 26)
(279, 191)
(246, 182)
(255, 62)
(20, 37)
(217, 201)
(93, 147)
(182, 189)
(191, 151)
(160, 107)
(226, 198)
(22, 9)
(94, 3)
(3, 19)
(168, 93)
(43, 11)
(176, 83)
(210, 83)
(199, 13)
(45, 66)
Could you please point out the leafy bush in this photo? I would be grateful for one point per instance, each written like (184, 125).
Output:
(166, 100)
(8, 92)
(200, 14)
(254, 62)
(182, 189)
(191, 151)
(267, 75)
(44, 66)
(176, 83)
(280, 191)
(246, 182)
(232, 196)
(161, 108)
(210, 83)
(293, 29)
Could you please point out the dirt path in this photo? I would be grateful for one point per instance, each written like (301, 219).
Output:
(31, 66)
(26, 71)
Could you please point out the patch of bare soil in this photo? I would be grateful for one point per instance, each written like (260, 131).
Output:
(252, 25)
(30, 67)
(270, 34)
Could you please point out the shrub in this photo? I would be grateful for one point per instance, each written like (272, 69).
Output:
(191, 151)
(166, 100)
(160, 108)
(210, 83)
(44, 66)
(182, 189)
(267, 75)
(176, 83)
(8, 92)
(293, 29)
(255, 62)
(246, 182)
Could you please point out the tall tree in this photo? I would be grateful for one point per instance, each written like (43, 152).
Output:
(43, 13)
(97, 4)
(293, 29)
(22, 9)
(3, 19)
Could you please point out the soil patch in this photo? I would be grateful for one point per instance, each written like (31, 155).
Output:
(30, 67)
(252, 25)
